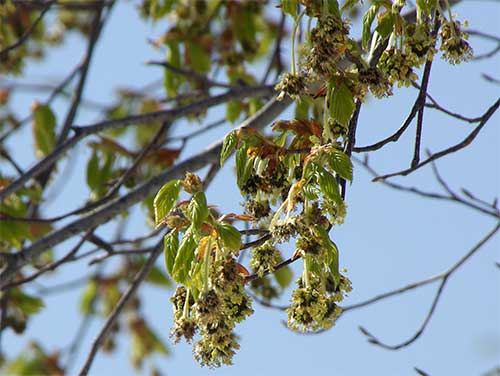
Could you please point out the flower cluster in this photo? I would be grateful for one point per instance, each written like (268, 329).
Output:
(258, 208)
(293, 84)
(419, 42)
(454, 43)
(264, 258)
(213, 314)
(398, 68)
(314, 307)
(328, 44)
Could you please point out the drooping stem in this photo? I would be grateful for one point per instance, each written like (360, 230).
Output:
(294, 33)
(307, 281)
(185, 309)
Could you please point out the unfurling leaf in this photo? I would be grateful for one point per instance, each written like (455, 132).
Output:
(229, 144)
(283, 276)
(170, 247)
(184, 257)
(367, 23)
(341, 103)
(88, 297)
(28, 304)
(340, 163)
(197, 210)
(328, 185)
(229, 236)
(165, 199)
(44, 129)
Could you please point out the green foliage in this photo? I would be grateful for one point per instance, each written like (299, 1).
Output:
(228, 146)
(44, 129)
(230, 237)
(341, 102)
(165, 200)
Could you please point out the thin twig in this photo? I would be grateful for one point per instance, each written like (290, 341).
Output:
(27, 33)
(449, 150)
(124, 299)
(443, 277)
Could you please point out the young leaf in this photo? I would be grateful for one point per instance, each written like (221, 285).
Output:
(341, 103)
(88, 297)
(165, 199)
(367, 23)
(328, 185)
(386, 24)
(170, 246)
(340, 163)
(289, 7)
(229, 236)
(44, 129)
(332, 254)
(197, 210)
(26, 303)
(93, 172)
(158, 278)
(171, 80)
(283, 276)
(229, 144)
(184, 257)
(233, 110)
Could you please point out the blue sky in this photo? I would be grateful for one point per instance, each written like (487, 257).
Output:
(389, 238)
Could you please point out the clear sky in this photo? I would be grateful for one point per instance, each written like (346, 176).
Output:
(389, 238)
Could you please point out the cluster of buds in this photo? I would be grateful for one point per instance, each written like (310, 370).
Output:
(419, 42)
(315, 307)
(291, 84)
(329, 41)
(213, 314)
(454, 43)
(264, 258)
(398, 68)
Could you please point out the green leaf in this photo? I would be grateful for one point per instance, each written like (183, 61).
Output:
(302, 106)
(332, 254)
(425, 6)
(229, 144)
(367, 23)
(26, 303)
(158, 278)
(165, 199)
(289, 7)
(88, 297)
(184, 257)
(233, 110)
(340, 163)
(283, 276)
(44, 130)
(200, 59)
(170, 247)
(171, 80)
(328, 185)
(386, 24)
(341, 103)
(93, 176)
(229, 236)
(197, 210)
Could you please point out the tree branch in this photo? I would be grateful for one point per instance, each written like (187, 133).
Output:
(102, 215)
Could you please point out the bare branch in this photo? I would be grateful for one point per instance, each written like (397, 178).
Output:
(443, 277)
(449, 150)
(125, 298)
